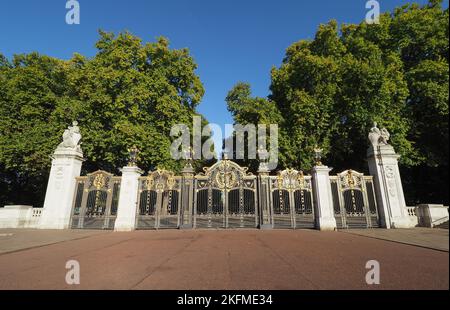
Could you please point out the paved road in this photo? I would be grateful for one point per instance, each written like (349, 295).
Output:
(251, 259)
(17, 239)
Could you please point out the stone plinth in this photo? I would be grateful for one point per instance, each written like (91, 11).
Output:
(15, 216)
(383, 166)
(323, 198)
(431, 215)
(264, 197)
(66, 166)
(187, 197)
(128, 199)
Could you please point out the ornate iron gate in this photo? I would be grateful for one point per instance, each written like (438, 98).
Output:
(96, 200)
(291, 200)
(354, 200)
(225, 197)
(159, 201)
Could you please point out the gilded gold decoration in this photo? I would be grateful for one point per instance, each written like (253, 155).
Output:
(280, 180)
(159, 180)
(171, 181)
(291, 179)
(351, 179)
(226, 179)
(99, 181)
(225, 175)
(149, 182)
(301, 180)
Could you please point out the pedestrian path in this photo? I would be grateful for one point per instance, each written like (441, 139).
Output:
(432, 238)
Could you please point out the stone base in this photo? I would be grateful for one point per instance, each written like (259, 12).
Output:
(123, 226)
(186, 226)
(325, 224)
(431, 215)
(126, 207)
(54, 223)
(15, 216)
(401, 222)
(265, 226)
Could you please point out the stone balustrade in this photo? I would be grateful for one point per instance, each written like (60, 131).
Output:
(412, 214)
(431, 215)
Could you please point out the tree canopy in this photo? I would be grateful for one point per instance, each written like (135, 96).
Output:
(328, 91)
(129, 93)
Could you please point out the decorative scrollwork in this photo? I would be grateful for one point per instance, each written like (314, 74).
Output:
(225, 175)
(280, 181)
(171, 182)
(291, 179)
(350, 179)
(159, 180)
(99, 180)
(226, 179)
(148, 182)
(301, 180)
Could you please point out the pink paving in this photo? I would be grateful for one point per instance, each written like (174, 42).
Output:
(243, 259)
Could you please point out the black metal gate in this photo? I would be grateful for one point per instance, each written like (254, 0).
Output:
(354, 200)
(159, 201)
(96, 200)
(291, 200)
(225, 197)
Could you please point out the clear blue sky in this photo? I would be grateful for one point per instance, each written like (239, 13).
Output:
(231, 40)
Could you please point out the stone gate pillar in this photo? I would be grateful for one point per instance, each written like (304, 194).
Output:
(66, 166)
(265, 210)
(323, 199)
(187, 198)
(128, 198)
(264, 197)
(187, 190)
(383, 166)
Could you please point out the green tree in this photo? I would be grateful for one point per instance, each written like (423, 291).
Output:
(330, 89)
(246, 109)
(419, 36)
(129, 93)
(31, 88)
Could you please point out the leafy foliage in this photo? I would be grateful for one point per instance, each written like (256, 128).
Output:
(129, 93)
(328, 91)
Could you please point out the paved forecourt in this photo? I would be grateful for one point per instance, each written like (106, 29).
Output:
(216, 259)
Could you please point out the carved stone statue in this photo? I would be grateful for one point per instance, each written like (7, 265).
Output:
(385, 135)
(377, 136)
(71, 138)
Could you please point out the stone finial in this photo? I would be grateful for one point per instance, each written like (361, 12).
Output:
(71, 138)
(188, 154)
(377, 136)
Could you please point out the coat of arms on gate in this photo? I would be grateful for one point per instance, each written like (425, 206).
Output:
(225, 177)
(351, 179)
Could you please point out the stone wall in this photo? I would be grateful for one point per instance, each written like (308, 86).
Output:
(20, 217)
